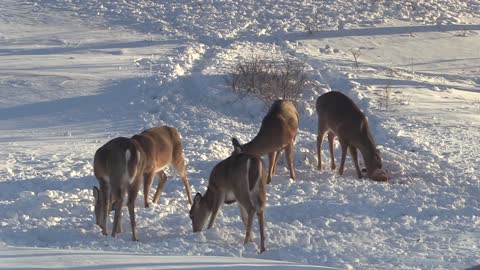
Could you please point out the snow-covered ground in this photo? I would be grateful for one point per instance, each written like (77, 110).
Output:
(74, 74)
(42, 258)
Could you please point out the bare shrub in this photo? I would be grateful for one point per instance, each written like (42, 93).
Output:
(404, 99)
(392, 72)
(356, 54)
(463, 32)
(385, 98)
(268, 79)
(388, 99)
(312, 22)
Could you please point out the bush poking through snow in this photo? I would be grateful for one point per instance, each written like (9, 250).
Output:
(268, 79)
(312, 21)
(356, 54)
(385, 98)
(388, 98)
(462, 33)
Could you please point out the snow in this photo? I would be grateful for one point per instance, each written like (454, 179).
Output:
(75, 74)
(43, 258)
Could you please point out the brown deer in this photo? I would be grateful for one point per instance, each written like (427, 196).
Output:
(277, 133)
(161, 146)
(339, 116)
(240, 177)
(122, 163)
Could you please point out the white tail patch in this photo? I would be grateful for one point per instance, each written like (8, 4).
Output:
(128, 155)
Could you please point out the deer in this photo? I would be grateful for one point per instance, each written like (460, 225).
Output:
(277, 132)
(241, 177)
(340, 117)
(162, 146)
(122, 164)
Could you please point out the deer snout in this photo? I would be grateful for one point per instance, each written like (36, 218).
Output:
(379, 175)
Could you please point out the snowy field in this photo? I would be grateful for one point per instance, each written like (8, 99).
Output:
(77, 73)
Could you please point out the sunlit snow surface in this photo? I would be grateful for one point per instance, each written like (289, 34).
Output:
(74, 74)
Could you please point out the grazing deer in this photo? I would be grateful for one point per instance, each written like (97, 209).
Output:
(117, 166)
(339, 116)
(161, 146)
(240, 177)
(277, 133)
(122, 163)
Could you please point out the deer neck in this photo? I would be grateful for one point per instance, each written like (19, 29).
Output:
(260, 145)
(209, 198)
(368, 150)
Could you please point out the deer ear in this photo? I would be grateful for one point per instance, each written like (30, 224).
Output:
(235, 143)
(96, 193)
(197, 198)
(237, 150)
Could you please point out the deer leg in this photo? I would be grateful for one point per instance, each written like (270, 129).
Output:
(107, 204)
(331, 137)
(162, 179)
(289, 156)
(118, 216)
(321, 133)
(271, 157)
(277, 155)
(179, 166)
(344, 155)
(120, 226)
(147, 184)
(354, 153)
(261, 223)
(187, 189)
(244, 215)
(218, 202)
(248, 235)
(132, 196)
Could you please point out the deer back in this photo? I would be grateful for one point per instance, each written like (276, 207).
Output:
(342, 116)
(279, 128)
(339, 114)
(116, 160)
(241, 176)
(158, 146)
